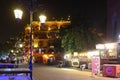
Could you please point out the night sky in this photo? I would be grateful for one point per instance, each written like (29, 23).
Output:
(52, 8)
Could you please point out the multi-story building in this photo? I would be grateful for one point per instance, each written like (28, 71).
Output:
(43, 36)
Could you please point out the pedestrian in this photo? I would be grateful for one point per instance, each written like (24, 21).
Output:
(82, 67)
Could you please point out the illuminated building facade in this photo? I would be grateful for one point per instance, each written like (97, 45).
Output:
(43, 36)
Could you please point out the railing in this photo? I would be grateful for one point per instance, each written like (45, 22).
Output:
(13, 74)
(15, 71)
(14, 78)
(10, 71)
(8, 65)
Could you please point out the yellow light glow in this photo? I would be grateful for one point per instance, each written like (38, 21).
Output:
(12, 51)
(109, 46)
(49, 28)
(51, 55)
(45, 56)
(20, 45)
(109, 50)
(93, 53)
(35, 43)
(66, 56)
(75, 54)
(100, 46)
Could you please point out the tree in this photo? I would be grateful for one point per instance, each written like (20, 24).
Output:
(9, 45)
(79, 37)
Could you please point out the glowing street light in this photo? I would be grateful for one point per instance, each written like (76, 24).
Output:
(42, 18)
(18, 15)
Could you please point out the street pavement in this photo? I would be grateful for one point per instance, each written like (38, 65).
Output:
(97, 77)
(38, 75)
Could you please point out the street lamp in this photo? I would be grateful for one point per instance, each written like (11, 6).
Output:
(42, 19)
(18, 15)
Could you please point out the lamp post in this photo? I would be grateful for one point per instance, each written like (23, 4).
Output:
(18, 15)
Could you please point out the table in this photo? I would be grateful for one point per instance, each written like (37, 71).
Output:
(8, 65)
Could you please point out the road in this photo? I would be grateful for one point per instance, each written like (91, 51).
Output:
(43, 72)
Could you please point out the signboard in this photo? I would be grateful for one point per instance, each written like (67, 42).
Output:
(95, 65)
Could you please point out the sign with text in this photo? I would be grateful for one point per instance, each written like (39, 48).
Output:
(95, 65)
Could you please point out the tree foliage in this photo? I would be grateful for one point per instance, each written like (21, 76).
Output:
(79, 38)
